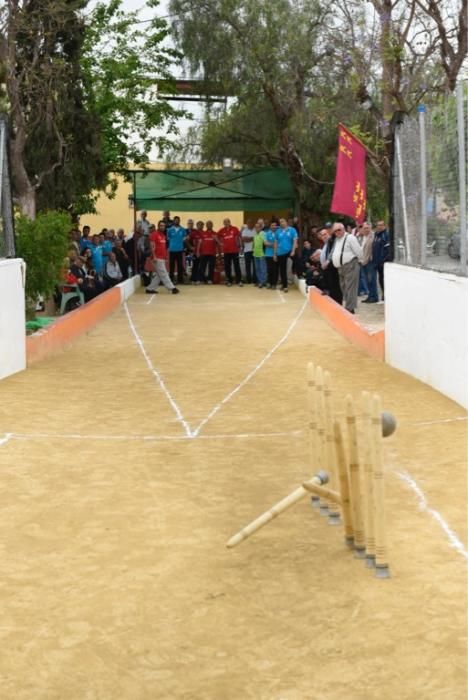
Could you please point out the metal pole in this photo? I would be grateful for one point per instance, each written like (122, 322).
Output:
(462, 174)
(2, 159)
(423, 181)
(403, 196)
(136, 267)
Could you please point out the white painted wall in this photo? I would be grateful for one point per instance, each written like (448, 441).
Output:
(129, 287)
(426, 327)
(12, 317)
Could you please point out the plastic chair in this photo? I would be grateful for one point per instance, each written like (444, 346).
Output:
(73, 292)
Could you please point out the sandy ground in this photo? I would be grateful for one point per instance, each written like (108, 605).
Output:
(118, 494)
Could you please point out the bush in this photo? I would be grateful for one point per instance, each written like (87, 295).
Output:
(43, 244)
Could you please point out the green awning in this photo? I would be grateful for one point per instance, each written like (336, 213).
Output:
(267, 189)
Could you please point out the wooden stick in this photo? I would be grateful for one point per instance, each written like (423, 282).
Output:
(312, 411)
(321, 437)
(381, 554)
(323, 492)
(368, 459)
(355, 480)
(330, 468)
(299, 493)
(344, 484)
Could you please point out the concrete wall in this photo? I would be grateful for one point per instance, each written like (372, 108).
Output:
(56, 337)
(426, 327)
(12, 317)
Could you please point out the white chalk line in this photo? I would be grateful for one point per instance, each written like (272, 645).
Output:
(149, 438)
(442, 420)
(6, 438)
(156, 374)
(455, 542)
(191, 433)
(151, 299)
(252, 373)
(281, 296)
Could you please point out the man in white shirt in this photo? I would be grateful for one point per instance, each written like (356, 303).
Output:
(143, 223)
(247, 234)
(346, 256)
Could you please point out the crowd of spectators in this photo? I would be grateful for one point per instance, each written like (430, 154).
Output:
(342, 261)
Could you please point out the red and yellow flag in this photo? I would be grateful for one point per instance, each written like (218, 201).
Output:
(349, 193)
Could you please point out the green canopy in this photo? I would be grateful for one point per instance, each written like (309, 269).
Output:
(213, 190)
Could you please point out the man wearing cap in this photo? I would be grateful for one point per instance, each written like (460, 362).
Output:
(346, 256)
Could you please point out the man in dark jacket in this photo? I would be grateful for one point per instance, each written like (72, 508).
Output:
(380, 251)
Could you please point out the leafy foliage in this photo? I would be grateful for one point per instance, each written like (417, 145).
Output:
(80, 88)
(43, 244)
(122, 63)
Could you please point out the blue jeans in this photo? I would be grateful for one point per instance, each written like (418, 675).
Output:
(260, 270)
(370, 272)
(363, 288)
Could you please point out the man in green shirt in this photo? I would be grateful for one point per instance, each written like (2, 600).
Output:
(259, 255)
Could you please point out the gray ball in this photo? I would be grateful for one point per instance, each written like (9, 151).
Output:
(388, 423)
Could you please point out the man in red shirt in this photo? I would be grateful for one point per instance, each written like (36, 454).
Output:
(194, 236)
(158, 254)
(207, 248)
(230, 240)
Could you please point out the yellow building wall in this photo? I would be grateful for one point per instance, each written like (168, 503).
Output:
(116, 213)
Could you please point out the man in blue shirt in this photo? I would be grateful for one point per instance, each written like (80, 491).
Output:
(286, 244)
(96, 254)
(85, 241)
(176, 237)
(271, 262)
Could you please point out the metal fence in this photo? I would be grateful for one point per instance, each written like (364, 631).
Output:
(430, 186)
(7, 232)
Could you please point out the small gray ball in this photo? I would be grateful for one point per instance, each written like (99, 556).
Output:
(388, 423)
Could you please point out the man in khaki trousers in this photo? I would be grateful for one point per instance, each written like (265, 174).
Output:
(346, 256)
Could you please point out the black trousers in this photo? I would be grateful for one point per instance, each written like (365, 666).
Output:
(207, 261)
(272, 271)
(380, 272)
(229, 260)
(250, 275)
(283, 269)
(332, 283)
(176, 258)
(195, 268)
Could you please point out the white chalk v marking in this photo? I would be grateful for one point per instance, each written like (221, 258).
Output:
(156, 374)
(455, 542)
(6, 438)
(188, 431)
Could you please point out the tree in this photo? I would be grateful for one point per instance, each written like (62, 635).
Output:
(401, 52)
(43, 244)
(123, 60)
(77, 91)
(40, 44)
(296, 69)
(274, 58)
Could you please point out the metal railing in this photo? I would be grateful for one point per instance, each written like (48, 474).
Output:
(430, 187)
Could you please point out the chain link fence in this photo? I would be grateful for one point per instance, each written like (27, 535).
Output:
(430, 187)
(7, 232)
